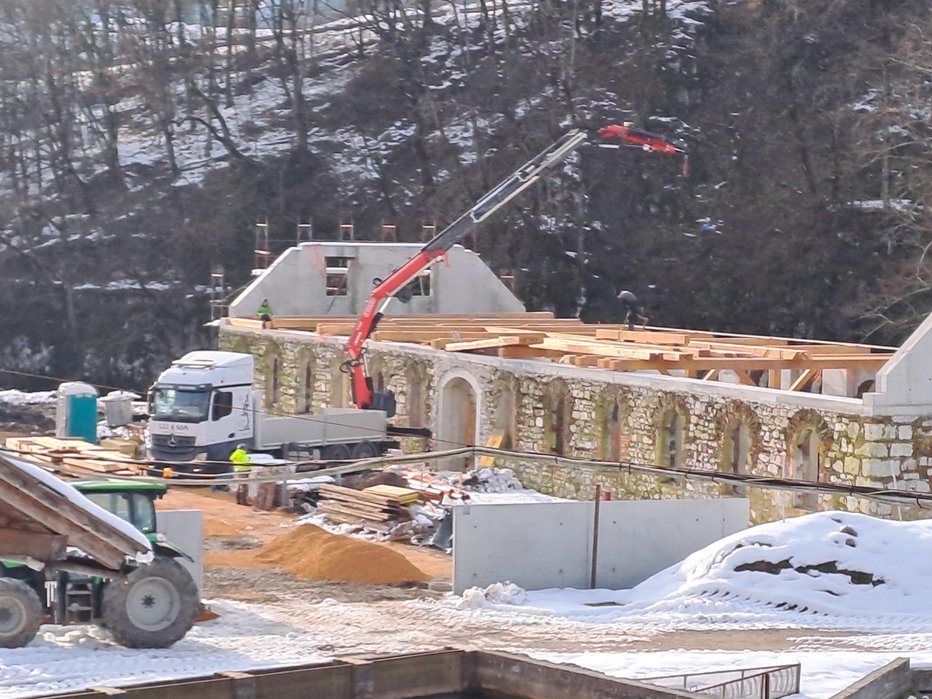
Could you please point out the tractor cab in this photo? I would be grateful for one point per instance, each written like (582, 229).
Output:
(131, 501)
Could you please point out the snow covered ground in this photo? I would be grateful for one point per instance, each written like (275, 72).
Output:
(718, 609)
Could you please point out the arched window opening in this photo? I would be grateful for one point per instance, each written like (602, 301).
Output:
(736, 451)
(339, 386)
(610, 448)
(805, 455)
(557, 419)
(307, 395)
(416, 405)
(273, 384)
(670, 440)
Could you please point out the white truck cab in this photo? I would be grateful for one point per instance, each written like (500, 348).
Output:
(204, 405)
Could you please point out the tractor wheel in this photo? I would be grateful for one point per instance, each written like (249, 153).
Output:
(364, 450)
(151, 607)
(20, 613)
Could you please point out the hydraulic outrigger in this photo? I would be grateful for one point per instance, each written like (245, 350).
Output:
(394, 285)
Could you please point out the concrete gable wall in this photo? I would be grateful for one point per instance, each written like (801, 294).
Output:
(904, 384)
(295, 284)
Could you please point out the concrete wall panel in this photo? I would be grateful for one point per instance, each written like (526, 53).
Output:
(544, 545)
(638, 538)
(185, 529)
(534, 545)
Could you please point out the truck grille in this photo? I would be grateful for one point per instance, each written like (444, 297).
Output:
(167, 441)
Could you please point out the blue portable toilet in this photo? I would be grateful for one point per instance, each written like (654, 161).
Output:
(76, 413)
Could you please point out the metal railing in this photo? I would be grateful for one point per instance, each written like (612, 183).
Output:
(751, 683)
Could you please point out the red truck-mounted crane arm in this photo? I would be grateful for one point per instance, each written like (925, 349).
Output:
(363, 395)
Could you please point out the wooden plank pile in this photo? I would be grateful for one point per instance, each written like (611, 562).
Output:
(693, 354)
(379, 507)
(72, 456)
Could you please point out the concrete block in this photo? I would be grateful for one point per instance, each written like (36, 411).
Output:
(185, 528)
(904, 432)
(895, 679)
(873, 432)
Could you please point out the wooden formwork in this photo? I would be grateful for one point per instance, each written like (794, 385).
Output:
(437, 674)
(694, 354)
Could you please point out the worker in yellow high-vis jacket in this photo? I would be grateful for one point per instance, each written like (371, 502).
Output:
(241, 469)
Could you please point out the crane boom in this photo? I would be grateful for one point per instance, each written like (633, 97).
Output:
(363, 395)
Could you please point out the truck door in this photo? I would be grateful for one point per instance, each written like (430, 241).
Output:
(230, 416)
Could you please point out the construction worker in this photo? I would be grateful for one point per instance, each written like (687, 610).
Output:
(633, 307)
(241, 469)
(264, 311)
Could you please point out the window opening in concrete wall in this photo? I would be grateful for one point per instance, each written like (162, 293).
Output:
(670, 440)
(416, 390)
(805, 455)
(420, 285)
(865, 387)
(337, 275)
(559, 410)
(610, 449)
(736, 451)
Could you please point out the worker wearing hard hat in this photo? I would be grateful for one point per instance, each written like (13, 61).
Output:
(241, 469)
(633, 307)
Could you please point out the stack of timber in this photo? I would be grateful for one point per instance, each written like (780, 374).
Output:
(73, 457)
(379, 507)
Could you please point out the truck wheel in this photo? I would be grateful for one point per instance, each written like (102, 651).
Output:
(20, 613)
(365, 450)
(336, 452)
(151, 607)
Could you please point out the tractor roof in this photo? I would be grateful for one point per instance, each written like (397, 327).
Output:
(119, 486)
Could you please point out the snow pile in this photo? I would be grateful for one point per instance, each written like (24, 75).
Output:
(494, 596)
(14, 397)
(828, 563)
(824, 570)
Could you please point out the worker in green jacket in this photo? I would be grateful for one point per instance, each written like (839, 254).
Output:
(264, 311)
(241, 469)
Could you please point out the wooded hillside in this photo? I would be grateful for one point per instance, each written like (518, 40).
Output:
(141, 141)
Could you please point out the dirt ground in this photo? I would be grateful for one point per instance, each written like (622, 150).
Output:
(228, 526)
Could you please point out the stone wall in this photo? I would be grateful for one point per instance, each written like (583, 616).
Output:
(539, 406)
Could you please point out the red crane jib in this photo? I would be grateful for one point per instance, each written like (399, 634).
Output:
(499, 196)
(638, 137)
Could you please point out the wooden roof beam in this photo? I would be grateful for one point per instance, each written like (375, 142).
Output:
(492, 342)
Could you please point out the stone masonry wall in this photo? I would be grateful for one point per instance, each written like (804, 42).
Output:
(523, 402)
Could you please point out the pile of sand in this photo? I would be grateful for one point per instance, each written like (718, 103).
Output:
(312, 553)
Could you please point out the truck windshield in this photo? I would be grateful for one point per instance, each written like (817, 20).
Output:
(182, 405)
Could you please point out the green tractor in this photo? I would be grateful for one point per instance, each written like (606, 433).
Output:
(150, 605)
